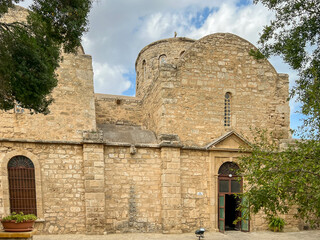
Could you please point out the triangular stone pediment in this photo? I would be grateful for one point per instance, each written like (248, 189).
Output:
(230, 140)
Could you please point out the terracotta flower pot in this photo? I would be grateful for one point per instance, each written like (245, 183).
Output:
(12, 226)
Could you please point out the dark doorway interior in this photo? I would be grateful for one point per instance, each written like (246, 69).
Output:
(231, 212)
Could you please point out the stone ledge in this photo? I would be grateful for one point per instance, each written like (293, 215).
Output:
(40, 220)
(41, 141)
(17, 235)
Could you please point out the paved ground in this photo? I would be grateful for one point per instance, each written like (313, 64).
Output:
(230, 235)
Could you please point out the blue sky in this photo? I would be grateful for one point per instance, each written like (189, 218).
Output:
(119, 29)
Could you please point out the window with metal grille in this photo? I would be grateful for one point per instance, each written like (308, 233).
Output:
(228, 168)
(227, 110)
(22, 186)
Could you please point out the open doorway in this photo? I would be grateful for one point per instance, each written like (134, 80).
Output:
(229, 186)
(232, 203)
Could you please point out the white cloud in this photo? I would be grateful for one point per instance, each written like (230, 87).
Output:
(26, 3)
(246, 21)
(109, 78)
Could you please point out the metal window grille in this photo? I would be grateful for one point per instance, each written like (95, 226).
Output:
(228, 168)
(22, 187)
(227, 110)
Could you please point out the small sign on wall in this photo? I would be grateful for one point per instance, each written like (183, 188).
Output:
(200, 193)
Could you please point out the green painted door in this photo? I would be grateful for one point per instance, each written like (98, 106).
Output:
(245, 226)
(221, 212)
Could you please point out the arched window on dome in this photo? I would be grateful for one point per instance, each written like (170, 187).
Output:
(22, 186)
(227, 109)
(162, 59)
(144, 69)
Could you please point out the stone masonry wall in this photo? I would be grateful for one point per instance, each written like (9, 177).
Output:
(185, 95)
(98, 189)
(152, 108)
(171, 201)
(93, 158)
(132, 190)
(73, 110)
(259, 222)
(19, 14)
(114, 109)
(62, 201)
(220, 63)
(194, 179)
(172, 48)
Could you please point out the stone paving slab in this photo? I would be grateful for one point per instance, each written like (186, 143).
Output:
(231, 235)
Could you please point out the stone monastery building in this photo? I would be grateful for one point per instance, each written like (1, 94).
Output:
(157, 162)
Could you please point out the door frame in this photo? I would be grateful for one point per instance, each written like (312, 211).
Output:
(222, 194)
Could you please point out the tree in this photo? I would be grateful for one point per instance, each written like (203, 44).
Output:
(294, 35)
(279, 179)
(30, 51)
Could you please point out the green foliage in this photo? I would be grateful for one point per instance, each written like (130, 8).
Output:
(256, 54)
(19, 217)
(276, 224)
(65, 20)
(279, 180)
(30, 52)
(294, 35)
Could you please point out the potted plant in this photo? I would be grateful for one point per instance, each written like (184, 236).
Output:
(276, 224)
(18, 222)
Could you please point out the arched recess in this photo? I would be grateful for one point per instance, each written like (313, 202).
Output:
(162, 59)
(229, 185)
(4, 178)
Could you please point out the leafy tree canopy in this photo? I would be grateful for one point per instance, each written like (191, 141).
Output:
(277, 182)
(280, 179)
(30, 51)
(294, 35)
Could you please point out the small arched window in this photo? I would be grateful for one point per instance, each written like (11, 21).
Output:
(182, 53)
(162, 59)
(227, 109)
(144, 69)
(22, 187)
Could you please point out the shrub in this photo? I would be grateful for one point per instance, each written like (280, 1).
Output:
(19, 217)
(276, 224)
